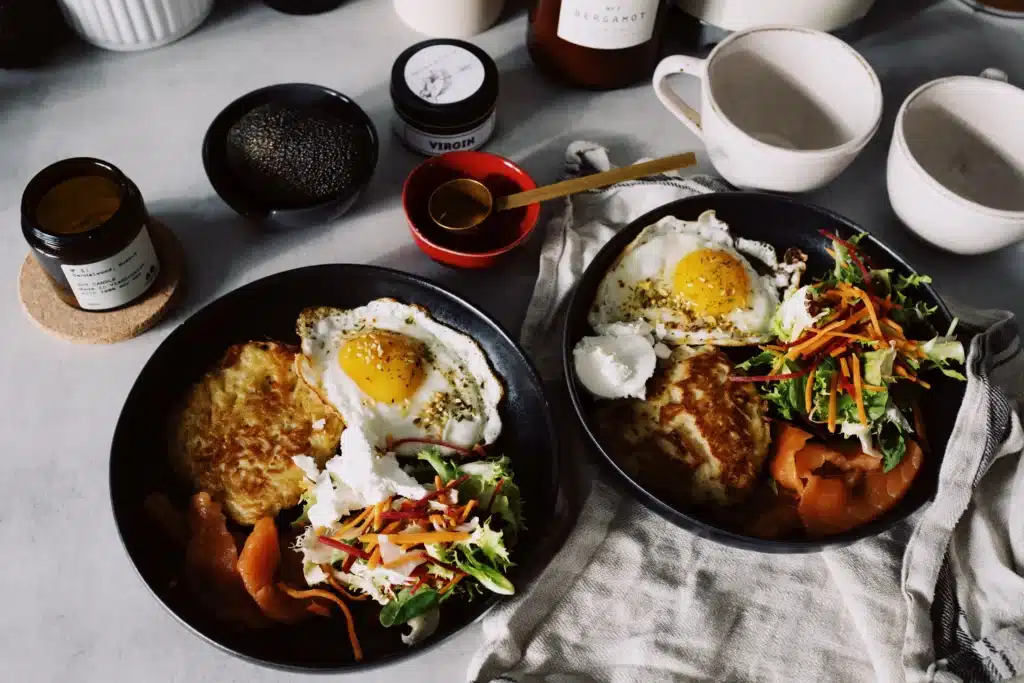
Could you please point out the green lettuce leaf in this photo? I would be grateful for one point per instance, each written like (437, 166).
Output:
(892, 444)
(407, 605)
(489, 577)
(941, 351)
(445, 469)
(307, 501)
(878, 366)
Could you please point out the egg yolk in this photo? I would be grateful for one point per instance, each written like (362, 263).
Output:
(386, 366)
(713, 281)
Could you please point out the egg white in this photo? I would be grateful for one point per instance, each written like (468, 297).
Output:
(456, 366)
(649, 262)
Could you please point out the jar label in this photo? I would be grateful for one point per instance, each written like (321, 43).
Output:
(444, 74)
(432, 144)
(604, 25)
(117, 280)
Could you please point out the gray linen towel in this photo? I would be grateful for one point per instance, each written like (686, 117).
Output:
(631, 598)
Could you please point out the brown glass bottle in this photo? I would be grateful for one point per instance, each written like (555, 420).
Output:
(600, 44)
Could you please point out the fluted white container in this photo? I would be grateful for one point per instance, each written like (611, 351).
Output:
(129, 25)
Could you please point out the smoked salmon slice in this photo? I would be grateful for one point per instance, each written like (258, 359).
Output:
(211, 564)
(258, 566)
(832, 503)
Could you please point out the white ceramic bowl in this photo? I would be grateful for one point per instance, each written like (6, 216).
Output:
(956, 163)
(129, 25)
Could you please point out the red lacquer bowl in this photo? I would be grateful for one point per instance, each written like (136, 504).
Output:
(500, 234)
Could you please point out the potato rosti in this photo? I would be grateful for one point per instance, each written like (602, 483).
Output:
(242, 424)
(697, 438)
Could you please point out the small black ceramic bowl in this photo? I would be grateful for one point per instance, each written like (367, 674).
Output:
(253, 204)
(783, 223)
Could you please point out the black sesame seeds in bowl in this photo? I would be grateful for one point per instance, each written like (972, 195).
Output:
(291, 155)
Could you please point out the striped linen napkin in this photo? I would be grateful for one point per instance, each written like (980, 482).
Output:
(631, 598)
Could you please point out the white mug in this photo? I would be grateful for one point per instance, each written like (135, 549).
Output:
(783, 109)
(956, 163)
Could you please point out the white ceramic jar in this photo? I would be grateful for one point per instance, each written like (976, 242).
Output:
(449, 18)
(129, 25)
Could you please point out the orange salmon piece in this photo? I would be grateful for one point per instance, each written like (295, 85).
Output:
(789, 441)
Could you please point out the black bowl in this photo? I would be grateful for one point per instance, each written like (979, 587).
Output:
(252, 204)
(783, 223)
(267, 309)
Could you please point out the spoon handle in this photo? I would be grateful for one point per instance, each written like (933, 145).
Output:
(590, 182)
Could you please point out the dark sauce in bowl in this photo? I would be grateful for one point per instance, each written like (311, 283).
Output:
(499, 230)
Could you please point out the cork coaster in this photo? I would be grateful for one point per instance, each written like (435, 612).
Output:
(40, 300)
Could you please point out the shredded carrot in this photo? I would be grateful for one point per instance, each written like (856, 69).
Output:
(374, 558)
(467, 510)
(393, 527)
(403, 558)
(337, 585)
(438, 482)
(892, 325)
(903, 372)
(808, 391)
(422, 537)
(440, 521)
(377, 512)
(808, 347)
(451, 584)
(844, 367)
(831, 253)
(858, 393)
(358, 519)
(870, 307)
(872, 387)
(839, 350)
(327, 595)
(832, 396)
(318, 609)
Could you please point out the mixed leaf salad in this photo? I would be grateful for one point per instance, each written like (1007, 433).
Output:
(411, 554)
(846, 357)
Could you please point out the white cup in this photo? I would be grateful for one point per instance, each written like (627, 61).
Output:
(782, 109)
(956, 164)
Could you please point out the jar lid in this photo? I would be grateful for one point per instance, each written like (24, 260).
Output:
(444, 83)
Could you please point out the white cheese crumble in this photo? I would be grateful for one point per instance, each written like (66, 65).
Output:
(615, 366)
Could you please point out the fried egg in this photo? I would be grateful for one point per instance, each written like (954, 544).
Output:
(694, 284)
(394, 373)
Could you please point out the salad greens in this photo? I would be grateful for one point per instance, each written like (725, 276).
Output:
(844, 359)
(412, 554)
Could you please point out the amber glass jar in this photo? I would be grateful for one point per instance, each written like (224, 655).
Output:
(87, 225)
(597, 44)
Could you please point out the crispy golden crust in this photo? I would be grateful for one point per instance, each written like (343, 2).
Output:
(698, 437)
(242, 424)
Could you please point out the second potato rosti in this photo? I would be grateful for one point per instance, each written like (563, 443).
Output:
(698, 437)
(242, 424)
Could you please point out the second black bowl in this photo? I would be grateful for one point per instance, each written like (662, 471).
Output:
(253, 205)
(783, 223)
(267, 309)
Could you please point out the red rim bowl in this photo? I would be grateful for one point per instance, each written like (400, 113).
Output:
(500, 235)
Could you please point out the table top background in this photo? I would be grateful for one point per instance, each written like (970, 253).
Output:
(75, 609)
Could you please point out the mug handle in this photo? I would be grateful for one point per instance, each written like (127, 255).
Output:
(679, 64)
